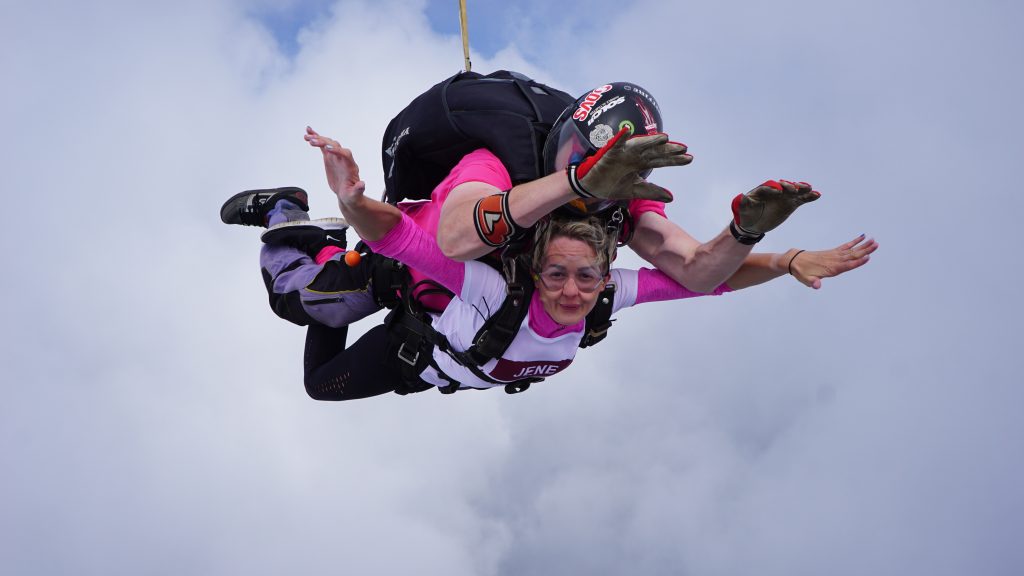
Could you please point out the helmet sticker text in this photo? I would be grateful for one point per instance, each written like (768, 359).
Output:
(583, 111)
(604, 108)
(641, 92)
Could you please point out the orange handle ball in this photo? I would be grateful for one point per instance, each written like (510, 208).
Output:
(353, 258)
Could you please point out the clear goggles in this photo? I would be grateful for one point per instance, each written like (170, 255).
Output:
(586, 279)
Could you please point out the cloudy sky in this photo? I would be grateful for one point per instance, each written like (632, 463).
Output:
(153, 419)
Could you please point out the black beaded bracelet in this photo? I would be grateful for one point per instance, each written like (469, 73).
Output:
(791, 261)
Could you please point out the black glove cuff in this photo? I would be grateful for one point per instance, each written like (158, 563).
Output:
(742, 236)
(574, 181)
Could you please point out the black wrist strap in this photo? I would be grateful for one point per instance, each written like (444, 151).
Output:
(742, 236)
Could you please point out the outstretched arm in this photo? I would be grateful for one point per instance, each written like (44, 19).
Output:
(474, 209)
(703, 267)
(382, 226)
(698, 267)
(809, 267)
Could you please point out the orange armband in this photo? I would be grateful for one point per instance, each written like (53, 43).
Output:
(493, 219)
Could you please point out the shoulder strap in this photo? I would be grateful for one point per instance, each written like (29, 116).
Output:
(600, 318)
(497, 333)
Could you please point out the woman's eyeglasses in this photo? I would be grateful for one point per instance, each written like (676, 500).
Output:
(586, 279)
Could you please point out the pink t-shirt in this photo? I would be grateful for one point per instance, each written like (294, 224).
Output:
(481, 165)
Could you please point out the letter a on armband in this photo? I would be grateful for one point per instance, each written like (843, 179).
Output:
(493, 220)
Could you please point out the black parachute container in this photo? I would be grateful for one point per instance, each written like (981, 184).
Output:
(505, 112)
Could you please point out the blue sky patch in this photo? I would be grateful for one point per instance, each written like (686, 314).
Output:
(488, 21)
(284, 22)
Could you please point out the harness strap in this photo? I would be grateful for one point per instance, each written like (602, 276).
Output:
(453, 384)
(412, 347)
(415, 339)
(387, 278)
(600, 318)
(497, 333)
(467, 362)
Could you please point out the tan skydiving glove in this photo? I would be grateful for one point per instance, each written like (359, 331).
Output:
(613, 172)
(765, 207)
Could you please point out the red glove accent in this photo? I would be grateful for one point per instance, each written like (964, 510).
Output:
(736, 207)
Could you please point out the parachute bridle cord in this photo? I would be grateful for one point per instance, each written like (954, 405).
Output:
(463, 25)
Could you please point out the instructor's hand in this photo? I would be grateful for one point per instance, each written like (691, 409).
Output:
(765, 207)
(342, 170)
(614, 171)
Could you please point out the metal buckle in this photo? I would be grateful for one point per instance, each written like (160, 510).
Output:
(515, 292)
(404, 356)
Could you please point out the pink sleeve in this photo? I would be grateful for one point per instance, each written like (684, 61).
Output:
(409, 244)
(480, 165)
(655, 286)
(638, 207)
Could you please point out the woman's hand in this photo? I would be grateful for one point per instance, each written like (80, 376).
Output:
(342, 170)
(810, 267)
(371, 219)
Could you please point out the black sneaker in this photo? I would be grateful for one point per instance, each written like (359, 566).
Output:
(250, 208)
(310, 236)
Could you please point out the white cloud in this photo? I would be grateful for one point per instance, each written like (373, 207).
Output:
(153, 413)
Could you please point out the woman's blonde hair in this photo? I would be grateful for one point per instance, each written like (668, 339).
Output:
(590, 231)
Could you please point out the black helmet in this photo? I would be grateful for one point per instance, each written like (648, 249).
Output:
(587, 125)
